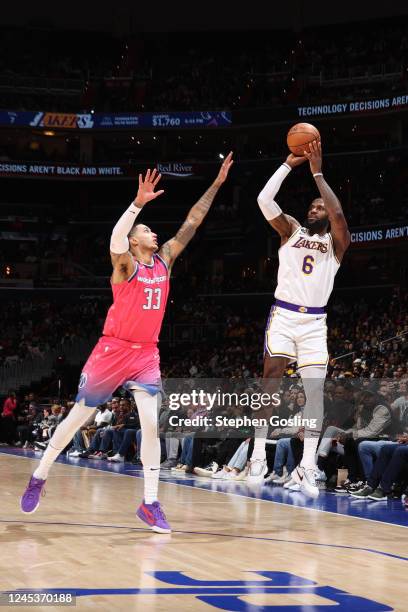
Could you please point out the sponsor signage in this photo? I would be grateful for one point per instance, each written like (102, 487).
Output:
(357, 106)
(81, 171)
(364, 236)
(34, 169)
(102, 121)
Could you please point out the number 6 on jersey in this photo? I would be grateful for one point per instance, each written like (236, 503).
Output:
(149, 294)
(308, 262)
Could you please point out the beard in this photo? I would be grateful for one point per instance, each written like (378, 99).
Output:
(316, 226)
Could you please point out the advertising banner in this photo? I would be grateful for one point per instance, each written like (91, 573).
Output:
(351, 108)
(81, 171)
(102, 121)
(379, 234)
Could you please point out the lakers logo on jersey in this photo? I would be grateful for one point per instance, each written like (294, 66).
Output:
(303, 243)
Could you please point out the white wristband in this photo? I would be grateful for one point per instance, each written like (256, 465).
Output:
(119, 240)
(318, 174)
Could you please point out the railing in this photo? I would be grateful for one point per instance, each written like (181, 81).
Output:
(35, 367)
(398, 337)
(17, 83)
(18, 374)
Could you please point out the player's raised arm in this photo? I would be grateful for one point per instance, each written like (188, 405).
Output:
(339, 228)
(284, 224)
(173, 247)
(119, 244)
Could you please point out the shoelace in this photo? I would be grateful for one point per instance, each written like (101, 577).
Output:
(159, 513)
(311, 475)
(37, 485)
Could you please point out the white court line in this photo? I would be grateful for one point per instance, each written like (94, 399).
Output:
(255, 499)
(41, 564)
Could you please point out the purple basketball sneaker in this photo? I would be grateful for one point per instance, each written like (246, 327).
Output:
(153, 515)
(31, 497)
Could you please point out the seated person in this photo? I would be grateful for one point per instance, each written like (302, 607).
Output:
(236, 466)
(392, 462)
(28, 426)
(372, 420)
(125, 435)
(96, 421)
(102, 440)
(49, 422)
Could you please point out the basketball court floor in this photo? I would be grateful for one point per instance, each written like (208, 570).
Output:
(232, 548)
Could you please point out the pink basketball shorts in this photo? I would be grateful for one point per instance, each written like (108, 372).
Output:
(114, 363)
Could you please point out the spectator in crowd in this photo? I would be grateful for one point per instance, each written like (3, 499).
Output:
(125, 434)
(373, 419)
(98, 420)
(235, 469)
(284, 461)
(102, 441)
(391, 463)
(28, 424)
(46, 427)
(185, 463)
(8, 417)
(400, 405)
(94, 451)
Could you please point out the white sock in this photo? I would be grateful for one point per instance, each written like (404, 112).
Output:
(62, 435)
(259, 452)
(148, 408)
(313, 378)
(309, 452)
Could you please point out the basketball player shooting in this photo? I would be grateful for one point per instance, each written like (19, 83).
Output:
(127, 354)
(309, 258)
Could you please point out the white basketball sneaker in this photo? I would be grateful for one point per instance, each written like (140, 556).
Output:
(306, 479)
(257, 471)
(289, 483)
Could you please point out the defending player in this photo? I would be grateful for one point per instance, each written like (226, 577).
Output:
(309, 258)
(127, 352)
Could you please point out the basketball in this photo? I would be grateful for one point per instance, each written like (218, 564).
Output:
(299, 137)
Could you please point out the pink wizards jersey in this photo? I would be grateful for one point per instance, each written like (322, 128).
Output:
(139, 303)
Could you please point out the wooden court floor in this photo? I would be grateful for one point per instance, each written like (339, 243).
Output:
(84, 537)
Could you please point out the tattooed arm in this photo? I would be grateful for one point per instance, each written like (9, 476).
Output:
(339, 228)
(173, 247)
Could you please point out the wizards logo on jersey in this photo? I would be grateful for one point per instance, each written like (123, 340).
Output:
(83, 380)
(227, 594)
(303, 243)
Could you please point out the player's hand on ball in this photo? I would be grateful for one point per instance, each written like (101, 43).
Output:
(147, 186)
(295, 160)
(225, 167)
(314, 154)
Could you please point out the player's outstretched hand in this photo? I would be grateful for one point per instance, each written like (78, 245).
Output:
(295, 160)
(147, 186)
(314, 155)
(225, 166)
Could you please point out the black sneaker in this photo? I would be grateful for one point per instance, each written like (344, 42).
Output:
(343, 489)
(378, 495)
(41, 445)
(85, 454)
(363, 493)
(168, 464)
(356, 486)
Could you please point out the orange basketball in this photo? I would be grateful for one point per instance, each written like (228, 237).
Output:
(299, 137)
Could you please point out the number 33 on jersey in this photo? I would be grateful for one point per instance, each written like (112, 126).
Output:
(139, 303)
